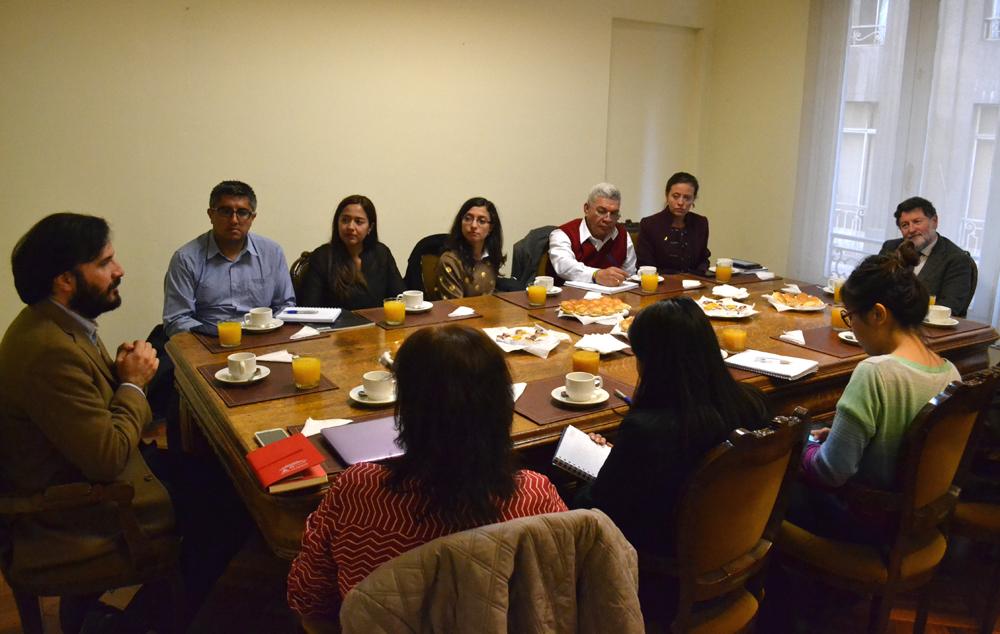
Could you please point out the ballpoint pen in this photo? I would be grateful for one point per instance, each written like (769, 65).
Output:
(300, 311)
(622, 396)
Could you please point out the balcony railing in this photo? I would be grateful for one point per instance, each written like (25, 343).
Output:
(867, 35)
(991, 29)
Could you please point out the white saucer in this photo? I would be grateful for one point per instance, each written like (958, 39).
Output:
(358, 395)
(599, 397)
(952, 322)
(422, 308)
(259, 375)
(638, 278)
(827, 289)
(555, 290)
(848, 336)
(274, 324)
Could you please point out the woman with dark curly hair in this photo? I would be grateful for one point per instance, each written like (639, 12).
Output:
(353, 270)
(454, 411)
(471, 264)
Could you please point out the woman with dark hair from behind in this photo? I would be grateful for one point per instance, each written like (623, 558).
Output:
(353, 270)
(675, 240)
(454, 410)
(686, 402)
(471, 264)
(884, 304)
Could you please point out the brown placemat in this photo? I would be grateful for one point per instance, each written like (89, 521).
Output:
(278, 385)
(669, 285)
(520, 298)
(824, 339)
(739, 374)
(736, 280)
(964, 325)
(436, 315)
(257, 340)
(537, 404)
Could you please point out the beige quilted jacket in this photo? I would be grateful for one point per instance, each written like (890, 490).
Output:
(561, 572)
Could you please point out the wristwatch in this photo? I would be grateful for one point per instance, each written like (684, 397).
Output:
(593, 278)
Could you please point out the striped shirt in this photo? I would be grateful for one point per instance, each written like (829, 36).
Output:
(361, 524)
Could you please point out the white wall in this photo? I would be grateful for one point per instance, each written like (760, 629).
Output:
(133, 111)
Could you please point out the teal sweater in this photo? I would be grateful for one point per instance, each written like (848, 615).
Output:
(884, 395)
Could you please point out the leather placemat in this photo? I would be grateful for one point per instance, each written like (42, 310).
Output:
(736, 280)
(571, 324)
(964, 325)
(520, 298)
(537, 404)
(278, 385)
(824, 339)
(739, 374)
(256, 340)
(436, 315)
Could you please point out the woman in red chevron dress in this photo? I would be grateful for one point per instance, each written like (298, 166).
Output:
(454, 412)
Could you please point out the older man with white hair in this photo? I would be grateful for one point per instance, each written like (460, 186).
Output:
(595, 248)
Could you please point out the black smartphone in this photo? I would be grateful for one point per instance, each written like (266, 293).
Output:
(267, 436)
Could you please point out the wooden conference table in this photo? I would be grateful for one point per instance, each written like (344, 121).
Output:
(346, 355)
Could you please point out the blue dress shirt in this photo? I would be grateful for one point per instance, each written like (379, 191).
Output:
(203, 287)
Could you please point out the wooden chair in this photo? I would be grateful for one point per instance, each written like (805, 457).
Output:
(144, 558)
(930, 457)
(298, 271)
(727, 516)
(428, 267)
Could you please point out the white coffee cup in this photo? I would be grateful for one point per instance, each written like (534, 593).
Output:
(545, 281)
(647, 270)
(938, 314)
(412, 299)
(378, 384)
(259, 317)
(580, 386)
(242, 365)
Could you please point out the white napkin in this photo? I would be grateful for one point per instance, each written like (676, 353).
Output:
(689, 284)
(518, 390)
(592, 295)
(764, 275)
(281, 356)
(792, 289)
(610, 290)
(793, 336)
(732, 292)
(313, 426)
(462, 311)
(540, 348)
(604, 344)
(306, 331)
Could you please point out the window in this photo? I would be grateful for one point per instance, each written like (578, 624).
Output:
(983, 148)
(846, 242)
(991, 28)
(868, 19)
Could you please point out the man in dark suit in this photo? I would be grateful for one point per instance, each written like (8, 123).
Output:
(69, 412)
(946, 269)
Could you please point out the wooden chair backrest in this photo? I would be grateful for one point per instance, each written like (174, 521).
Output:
(298, 271)
(428, 268)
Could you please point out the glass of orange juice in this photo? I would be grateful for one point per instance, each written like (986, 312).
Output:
(305, 372)
(837, 283)
(536, 295)
(230, 333)
(734, 338)
(837, 319)
(649, 282)
(586, 361)
(395, 311)
(932, 300)
(724, 269)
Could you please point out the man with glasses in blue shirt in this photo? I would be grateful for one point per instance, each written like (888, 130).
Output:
(597, 248)
(225, 272)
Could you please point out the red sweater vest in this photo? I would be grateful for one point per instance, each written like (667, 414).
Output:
(613, 252)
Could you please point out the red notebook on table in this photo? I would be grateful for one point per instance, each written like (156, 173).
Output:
(285, 460)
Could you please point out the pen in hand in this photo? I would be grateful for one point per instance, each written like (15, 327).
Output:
(622, 396)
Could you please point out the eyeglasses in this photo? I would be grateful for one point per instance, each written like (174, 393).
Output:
(479, 220)
(846, 316)
(227, 212)
(601, 211)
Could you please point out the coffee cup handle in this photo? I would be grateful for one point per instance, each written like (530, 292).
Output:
(400, 298)
(246, 318)
(598, 382)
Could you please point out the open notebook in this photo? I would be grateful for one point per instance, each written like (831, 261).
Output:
(775, 365)
(580, 455)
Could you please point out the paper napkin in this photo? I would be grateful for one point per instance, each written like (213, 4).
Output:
(518, 390)
(462, 311)
(314, 426)
(604, 344)
(732, 292)
(793, 336)
(792, 289)
(689, 284)
(306, 331)
(764, 275)
(281, 356)
(592, 295)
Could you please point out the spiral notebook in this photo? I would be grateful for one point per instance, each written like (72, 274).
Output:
(775, 365)
(580, 455)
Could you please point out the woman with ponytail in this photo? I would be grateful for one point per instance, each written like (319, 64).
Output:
(884, 304)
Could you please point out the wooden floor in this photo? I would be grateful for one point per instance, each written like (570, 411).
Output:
(250, 597)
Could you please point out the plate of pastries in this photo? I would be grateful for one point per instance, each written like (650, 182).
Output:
(725, 308)
(796, 301)
(621, 328)
(600, 307)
